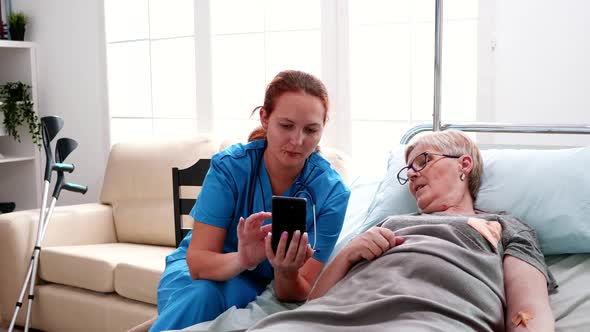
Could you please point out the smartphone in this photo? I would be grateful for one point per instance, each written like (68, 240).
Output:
(288, 215)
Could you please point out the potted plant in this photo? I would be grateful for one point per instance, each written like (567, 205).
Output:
(17, 22)
(17, 108)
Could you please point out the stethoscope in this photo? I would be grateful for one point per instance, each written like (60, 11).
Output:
(301, 185)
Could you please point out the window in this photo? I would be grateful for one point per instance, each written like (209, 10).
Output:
(187, 66)
(151, 68)
(392, 69)
(252, 41)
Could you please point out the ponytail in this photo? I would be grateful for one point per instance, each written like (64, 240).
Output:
(258, 133)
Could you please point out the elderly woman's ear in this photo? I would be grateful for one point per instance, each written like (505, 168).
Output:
(465, 166)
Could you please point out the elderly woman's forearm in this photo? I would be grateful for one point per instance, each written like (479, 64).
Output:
(333, 273)
(542, 323)
(527, 300)
(291, 287)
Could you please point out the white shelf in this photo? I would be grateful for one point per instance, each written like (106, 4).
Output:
(14, 159)
(16, 44)
(20, 171)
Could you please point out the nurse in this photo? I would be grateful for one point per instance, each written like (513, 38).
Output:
(226, 260)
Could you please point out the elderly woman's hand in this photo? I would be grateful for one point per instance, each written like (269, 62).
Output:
(371, 244)
(251, 236)
(288, 261)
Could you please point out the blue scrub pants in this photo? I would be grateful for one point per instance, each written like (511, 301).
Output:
(183, 302)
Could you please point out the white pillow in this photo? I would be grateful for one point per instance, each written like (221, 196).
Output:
(547, 189)
(391, 197)
(362, 192)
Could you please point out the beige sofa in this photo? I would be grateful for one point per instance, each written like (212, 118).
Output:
(100, 264)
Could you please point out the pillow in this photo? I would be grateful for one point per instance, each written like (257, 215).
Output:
(391, 198)
(547, 189)
(362, 191)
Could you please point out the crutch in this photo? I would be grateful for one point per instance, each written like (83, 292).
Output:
(51, 125)
(63, 148)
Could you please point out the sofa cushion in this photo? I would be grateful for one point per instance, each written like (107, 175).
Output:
(69, 309)
(93, 266)
(148, 221)
(139, 280)
(139, 175)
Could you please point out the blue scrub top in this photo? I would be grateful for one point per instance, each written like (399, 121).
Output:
(238, 180)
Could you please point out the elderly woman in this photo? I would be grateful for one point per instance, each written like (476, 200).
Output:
(446, 268)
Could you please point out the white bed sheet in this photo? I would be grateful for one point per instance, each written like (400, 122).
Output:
(570, 304)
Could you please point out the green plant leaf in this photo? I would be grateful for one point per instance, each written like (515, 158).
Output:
(18, 19)
(17, 107)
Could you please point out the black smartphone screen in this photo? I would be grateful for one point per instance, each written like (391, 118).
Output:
(288, 215)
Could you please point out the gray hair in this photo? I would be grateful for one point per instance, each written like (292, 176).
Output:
(454, 142)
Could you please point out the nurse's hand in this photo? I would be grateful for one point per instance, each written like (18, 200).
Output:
(251, 233)
(294, 258)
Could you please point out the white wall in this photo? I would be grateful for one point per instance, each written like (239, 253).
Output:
(541, 67)
(72, 82)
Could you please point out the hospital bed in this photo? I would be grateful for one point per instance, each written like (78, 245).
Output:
(546, 187)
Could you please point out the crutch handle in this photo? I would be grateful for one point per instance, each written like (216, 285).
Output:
(61, 184)
(75, 188)
(61, 167)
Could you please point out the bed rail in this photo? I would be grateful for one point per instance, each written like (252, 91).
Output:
(492, 127)
(479, 127)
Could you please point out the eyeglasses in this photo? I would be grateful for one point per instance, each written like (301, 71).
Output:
(418, 164)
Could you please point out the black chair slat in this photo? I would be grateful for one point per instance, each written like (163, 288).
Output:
(194, 175)
(186, 205)
(185, 232)
(191, 176)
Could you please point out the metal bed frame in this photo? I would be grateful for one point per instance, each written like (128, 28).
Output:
(482, 127)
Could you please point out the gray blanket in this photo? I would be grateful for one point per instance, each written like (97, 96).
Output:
(447, 276)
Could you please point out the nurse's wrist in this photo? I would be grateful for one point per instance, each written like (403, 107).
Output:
(245, 265)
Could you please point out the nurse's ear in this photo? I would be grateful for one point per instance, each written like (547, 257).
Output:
(264, 115)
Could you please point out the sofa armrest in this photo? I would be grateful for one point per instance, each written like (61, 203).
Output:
(80, 224)
(69, 225)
